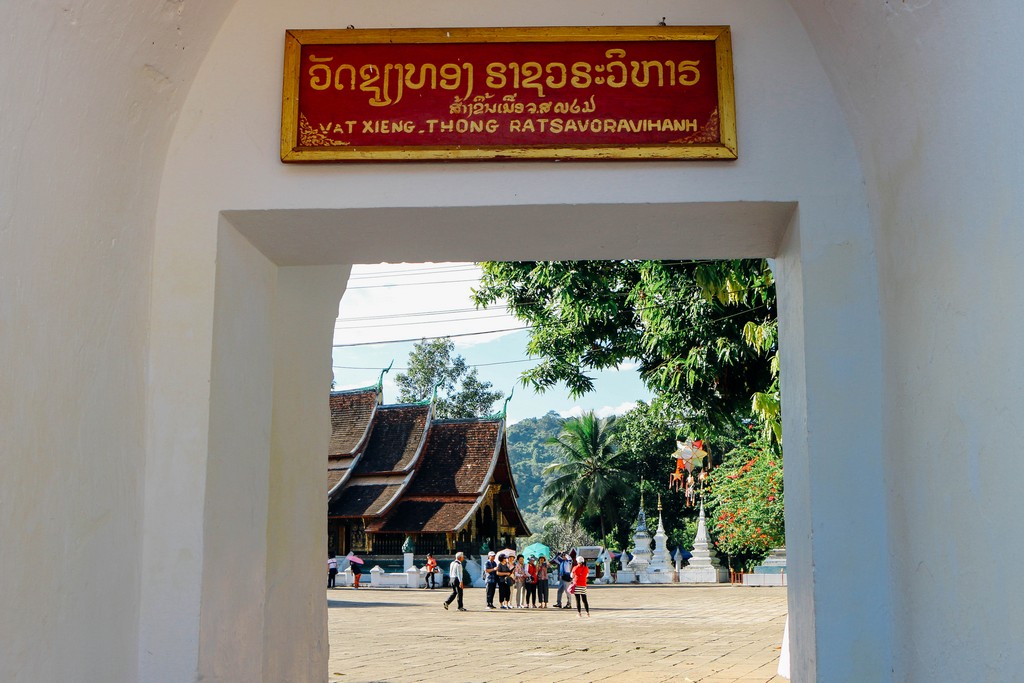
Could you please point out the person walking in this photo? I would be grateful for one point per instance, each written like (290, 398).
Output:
(357, 570)
(504, 573)
(491, 579)
(531, 583)
(455, 575)
(430, 581)
(579, 580)
(564, 579)
(332, 570)
(519, 579)
(542, 581)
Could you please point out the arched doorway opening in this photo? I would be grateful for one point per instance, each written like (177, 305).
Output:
(280, 264)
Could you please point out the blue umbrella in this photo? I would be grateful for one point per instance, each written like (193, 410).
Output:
(537, 550)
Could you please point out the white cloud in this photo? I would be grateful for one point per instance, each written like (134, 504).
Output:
(603, 411)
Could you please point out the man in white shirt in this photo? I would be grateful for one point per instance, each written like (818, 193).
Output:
(332, 571)
(455, 575)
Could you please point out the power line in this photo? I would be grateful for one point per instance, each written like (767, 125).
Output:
(413, 272)
(389, 316)
(419, 314)
(456, 267)
(413, 284)
(441, 336)
(416, 314)
(526, 327)
(408, 273)
(468, 365)
(423, 322)
(341, 324)
(473, 309)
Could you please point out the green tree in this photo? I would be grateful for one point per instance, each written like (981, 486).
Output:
(433, 365)
(691, 326)
(646, 438)
(587, 481)
(745, 496)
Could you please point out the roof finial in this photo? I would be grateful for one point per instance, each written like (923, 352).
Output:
(380, 380)
(504, 408)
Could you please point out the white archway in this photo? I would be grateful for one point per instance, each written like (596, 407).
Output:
(244, 243)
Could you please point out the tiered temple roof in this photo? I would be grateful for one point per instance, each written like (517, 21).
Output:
(403, 472)
(351, 415)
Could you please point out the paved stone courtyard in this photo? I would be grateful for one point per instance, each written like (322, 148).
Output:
(713, 634)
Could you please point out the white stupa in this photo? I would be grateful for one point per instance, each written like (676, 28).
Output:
(703, 567)
(660, 569)
(636, 569)
(641, 551)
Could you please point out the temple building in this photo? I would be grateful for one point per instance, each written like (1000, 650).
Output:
(396, 471)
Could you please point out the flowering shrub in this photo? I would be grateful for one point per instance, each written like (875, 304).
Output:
(746, 501)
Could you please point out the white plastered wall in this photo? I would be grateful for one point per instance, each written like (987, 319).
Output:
(932, 94)
(794, 149)
(89, 91)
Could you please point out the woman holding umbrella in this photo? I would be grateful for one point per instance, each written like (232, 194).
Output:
(357, 568)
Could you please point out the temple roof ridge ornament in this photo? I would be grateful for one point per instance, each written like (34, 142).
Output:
(503, 413)
(432, 399)
(380, 380)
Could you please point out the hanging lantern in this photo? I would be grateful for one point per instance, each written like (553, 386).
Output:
(689, 455)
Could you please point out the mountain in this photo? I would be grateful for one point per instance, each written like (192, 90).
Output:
(529, 455)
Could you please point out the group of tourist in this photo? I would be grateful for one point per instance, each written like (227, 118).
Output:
(520, 582)
(529, 581)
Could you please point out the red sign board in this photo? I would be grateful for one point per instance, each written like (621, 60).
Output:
(623, 93)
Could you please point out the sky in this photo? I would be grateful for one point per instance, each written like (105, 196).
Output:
(402, 301)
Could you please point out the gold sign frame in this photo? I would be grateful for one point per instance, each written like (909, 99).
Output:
(723, 147)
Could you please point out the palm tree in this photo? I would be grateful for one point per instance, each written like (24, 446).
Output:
(587, 481)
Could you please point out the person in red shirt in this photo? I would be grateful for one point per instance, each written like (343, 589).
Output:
(579, 581)
(431, 576)
(531, 583)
